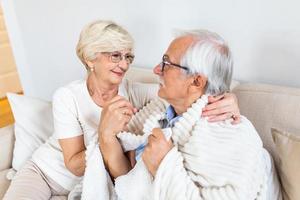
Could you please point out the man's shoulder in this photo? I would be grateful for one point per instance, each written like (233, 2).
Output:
(243, 132)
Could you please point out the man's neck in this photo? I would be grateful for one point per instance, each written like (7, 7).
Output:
(181, 106)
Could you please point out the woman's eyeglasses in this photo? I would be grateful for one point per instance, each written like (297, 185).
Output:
(117, 57)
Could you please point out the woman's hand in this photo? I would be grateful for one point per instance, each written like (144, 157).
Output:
(221, 108)
(115, 116)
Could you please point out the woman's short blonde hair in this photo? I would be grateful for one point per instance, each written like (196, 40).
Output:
(102, 36)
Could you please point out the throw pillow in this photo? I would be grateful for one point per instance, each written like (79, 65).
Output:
(33, 126)
(288, 150)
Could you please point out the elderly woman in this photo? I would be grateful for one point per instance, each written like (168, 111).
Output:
(203, 160)
(84, 108)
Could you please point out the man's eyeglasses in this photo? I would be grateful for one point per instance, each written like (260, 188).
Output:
(117, 56)
(165, 61)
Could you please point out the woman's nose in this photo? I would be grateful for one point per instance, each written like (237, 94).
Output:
(124, 64)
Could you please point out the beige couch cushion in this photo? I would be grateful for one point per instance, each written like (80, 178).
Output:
(269, 106)
(4, 183)
(7, 139)
(288, 151)
(144, 75)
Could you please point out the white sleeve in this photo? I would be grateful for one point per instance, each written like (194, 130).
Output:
(141, 93)
(173, 182)
(65, 115)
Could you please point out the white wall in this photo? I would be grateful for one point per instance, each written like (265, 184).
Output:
(264, 35)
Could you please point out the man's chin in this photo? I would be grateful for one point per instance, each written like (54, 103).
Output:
(161, 93)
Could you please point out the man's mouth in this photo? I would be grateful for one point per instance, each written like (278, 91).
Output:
(161, 83)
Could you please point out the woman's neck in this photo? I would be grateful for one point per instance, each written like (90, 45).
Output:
(101, 91)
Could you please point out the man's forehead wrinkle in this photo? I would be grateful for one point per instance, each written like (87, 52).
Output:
(178, 47)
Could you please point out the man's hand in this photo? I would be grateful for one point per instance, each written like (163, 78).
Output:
(222, 107)
(156, 150)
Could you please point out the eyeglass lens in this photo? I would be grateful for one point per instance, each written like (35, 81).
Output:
(117, 57)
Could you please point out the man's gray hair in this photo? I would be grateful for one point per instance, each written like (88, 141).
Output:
(210, 56)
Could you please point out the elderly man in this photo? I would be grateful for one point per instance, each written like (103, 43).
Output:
(181, 154)
(203, 160)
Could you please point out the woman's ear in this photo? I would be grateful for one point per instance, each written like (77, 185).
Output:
(90, 65)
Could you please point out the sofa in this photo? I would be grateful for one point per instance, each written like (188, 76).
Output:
(274, 111)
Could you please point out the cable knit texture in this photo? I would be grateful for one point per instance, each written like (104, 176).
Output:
(96, 183)
(209, 160)
(141, 125)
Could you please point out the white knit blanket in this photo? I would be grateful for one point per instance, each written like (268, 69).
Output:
(97, 183)
(209, 161)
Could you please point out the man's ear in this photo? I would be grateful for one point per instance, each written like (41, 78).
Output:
(199, 81)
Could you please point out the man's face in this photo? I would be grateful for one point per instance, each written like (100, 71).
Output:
(173, 81)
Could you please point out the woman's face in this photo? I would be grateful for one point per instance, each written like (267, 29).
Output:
(111, 67)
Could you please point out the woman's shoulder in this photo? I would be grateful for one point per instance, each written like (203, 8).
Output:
(70, 90)
(74, 85)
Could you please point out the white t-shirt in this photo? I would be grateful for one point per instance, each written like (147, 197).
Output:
(75, 114)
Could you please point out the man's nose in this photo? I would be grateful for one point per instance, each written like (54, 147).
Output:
(157, 70)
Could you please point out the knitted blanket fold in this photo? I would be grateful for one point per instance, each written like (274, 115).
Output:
(209, 161)
(97, 183)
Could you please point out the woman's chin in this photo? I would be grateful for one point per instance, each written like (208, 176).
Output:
(116, 80)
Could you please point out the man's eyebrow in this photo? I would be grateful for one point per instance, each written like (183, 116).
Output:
(167, 56)
(169, 59)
